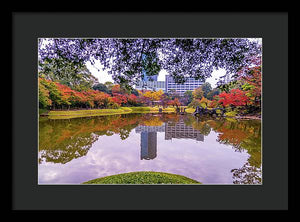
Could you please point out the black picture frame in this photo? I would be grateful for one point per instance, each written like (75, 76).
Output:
(271, 26)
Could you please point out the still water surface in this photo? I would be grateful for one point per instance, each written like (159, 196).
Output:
(212, 151)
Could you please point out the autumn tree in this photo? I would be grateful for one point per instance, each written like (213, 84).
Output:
(132, 100)
(116, 88)
(66, 93)
(55, 94)
(176, 103)
(248, 84)
(204, 102)
(153, 95)
(44, 97)
(119, 99)
(235, 97)
(198, 93)
(252, 85)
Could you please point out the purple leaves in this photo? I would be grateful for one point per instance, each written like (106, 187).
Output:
(179, 57)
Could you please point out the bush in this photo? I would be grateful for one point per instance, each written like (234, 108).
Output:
(194, 103)
(113, 106)
(231, 113)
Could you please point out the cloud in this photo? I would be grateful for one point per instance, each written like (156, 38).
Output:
(96, 71)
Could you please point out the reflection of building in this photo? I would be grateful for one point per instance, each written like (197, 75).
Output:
(190, 84)
(172, 130)
(179, 130)
(148, 145)
(149, 140)
(141, 128)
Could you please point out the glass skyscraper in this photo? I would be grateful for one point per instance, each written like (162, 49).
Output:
(150, 85)
(190, 84)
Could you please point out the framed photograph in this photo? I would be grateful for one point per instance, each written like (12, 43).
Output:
(150, 111)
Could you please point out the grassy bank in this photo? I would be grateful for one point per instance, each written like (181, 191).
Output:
(67, 114)
(143, 177)
(190, 110)
(43, 111)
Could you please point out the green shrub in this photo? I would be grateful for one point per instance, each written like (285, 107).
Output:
(113, 106)
(143, 177)
(231, 113)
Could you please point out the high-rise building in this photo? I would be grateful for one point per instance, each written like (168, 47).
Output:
(190, 84)
(150, 85)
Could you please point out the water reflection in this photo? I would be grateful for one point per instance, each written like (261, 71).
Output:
(64, 141)
(148, 145)
(177, 130)
(180, 130)
(149, 140)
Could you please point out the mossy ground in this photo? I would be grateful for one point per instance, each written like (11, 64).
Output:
(143, 177)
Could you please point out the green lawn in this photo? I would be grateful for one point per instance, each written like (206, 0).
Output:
(143, 177)
(67, 114)
(190, 110)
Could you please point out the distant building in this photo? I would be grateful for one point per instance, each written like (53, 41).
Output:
(190, 84)
(151, 85)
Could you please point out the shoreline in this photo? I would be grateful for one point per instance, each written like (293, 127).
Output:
(248, 117)
(67, 114)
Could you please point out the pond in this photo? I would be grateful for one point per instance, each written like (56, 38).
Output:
(211, 151)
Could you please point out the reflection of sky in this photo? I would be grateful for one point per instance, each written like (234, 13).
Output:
(208, 162)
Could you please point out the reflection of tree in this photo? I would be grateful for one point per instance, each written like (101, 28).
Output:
(152, 121)
(61, 141)
(242, 136)
(203, 127)
(125, 131)
(68, 149)
(171, 118)
(198, 124)
(247, 174)
(233, 137)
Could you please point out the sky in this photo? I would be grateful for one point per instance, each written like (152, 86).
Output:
(103, 76)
